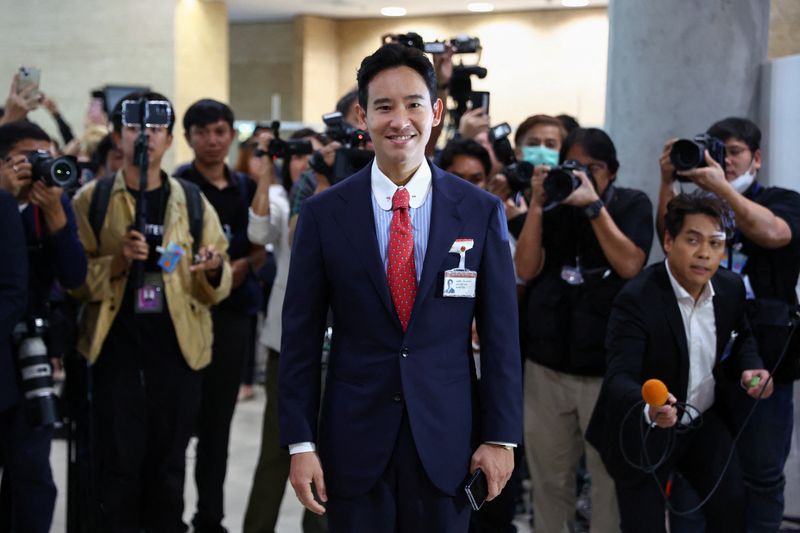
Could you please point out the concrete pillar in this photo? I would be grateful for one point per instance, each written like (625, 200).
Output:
(675, 67)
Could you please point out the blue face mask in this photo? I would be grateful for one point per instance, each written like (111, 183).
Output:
(540, 155)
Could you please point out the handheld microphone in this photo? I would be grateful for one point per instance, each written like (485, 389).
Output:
(655, 393)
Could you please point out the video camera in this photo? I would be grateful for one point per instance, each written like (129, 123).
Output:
(279, 148)
(518, 173)
(53, 171)
(461, 44)
(687, 154)
(351, 157)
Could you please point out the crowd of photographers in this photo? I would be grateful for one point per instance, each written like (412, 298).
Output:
(93, 242)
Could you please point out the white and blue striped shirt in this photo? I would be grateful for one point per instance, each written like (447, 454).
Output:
(419, 189)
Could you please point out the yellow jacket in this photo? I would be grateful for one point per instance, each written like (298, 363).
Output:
(188, 295)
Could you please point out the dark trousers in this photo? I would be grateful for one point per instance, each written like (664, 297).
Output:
(402, 501)
(221, 380)
(699, 456)
(27, 492)
(272, 471)
(145, 411)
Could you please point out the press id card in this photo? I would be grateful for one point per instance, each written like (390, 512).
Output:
(150, 296)
(460, 282)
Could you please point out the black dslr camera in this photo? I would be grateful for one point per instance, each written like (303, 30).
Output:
(561, 181)
(687, 154)
(351, 157)
(53, 171)
(35, 372)
(518, 173)
(279, 148)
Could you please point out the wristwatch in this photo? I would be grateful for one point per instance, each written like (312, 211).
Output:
(593, 209)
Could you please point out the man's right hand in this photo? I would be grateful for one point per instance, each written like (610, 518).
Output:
(473, 122)
(665, 416)
(15, 174)
(20, 103)
(667, 169)
(537, 185)
(305, 469)
(134, 246)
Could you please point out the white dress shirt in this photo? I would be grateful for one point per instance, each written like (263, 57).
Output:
(700, 326)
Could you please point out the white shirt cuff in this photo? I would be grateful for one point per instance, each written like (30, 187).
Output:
(301, 447)
(647, 416)
(509, 444)
(257, 218)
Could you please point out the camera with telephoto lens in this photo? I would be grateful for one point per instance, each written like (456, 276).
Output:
(351, 157)
(279, 148)
(53, 171)
(687, 154)
(517, 173)
(35, 372)
(561, 181)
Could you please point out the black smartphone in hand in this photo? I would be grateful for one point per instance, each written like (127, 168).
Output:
(477, 489)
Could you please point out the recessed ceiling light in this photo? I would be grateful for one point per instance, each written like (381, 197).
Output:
(480, 7)
(393, 11)
(574, 3)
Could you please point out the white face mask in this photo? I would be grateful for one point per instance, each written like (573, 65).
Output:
(743, 182)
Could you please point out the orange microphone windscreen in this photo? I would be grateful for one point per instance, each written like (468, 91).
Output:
(655, 392)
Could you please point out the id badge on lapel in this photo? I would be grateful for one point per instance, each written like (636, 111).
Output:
(150, 296)
(460, 282)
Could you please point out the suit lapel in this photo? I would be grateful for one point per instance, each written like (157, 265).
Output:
(446, 227)
(358, 224)
(673, 315)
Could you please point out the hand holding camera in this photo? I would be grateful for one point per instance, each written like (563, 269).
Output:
(15, 173)
(473, 122)
(584, 194)
(710, 177)
(667, 168)
(540, 172)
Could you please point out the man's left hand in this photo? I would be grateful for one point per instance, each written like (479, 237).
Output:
(584, 194)
(763, 382)
(710, 178)
(48, 199)
(497, 463)
(210, 261)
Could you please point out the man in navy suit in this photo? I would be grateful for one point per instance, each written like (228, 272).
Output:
(682, 322)
(404, 420)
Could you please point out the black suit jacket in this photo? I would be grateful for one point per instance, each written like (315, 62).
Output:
(646, 339)
(13, 292)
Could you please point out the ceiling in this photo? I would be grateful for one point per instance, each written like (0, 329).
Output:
(252, 10)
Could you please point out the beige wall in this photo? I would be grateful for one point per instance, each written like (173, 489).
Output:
(531, 57)
(784, 28)
(81, 45)
(201, 60)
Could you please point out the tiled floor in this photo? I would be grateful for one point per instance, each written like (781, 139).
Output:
(245, 440)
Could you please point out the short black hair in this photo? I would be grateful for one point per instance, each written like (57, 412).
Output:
(467, 147)
(698, 202)
(19, 130)
(569, 122)
(596, 143)
(344, 103)
(100, 155)
(739, 128)
(205, 112)
(116, 113)
(390, 56)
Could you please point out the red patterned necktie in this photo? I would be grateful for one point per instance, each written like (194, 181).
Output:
(402, 274)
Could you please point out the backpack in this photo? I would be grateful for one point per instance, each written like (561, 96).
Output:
(194, 205)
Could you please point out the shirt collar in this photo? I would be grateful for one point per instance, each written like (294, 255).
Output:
(682, 294)
(418, 186)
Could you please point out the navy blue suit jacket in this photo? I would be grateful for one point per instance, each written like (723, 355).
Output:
(375, 370)
(13, 294)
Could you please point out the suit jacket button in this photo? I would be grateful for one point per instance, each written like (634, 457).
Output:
(404, 352)
(398, 397)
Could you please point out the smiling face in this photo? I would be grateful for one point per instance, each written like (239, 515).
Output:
(399, 117)
(695, 253)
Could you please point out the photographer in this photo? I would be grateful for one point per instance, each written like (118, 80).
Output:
(54, 254)
(269, 224)
(765, 252)
(577, 256)
(468, 160)
(208, 126)
(146, 329)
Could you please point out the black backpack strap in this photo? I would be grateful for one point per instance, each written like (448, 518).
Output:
(99, 205)
(194, 206)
